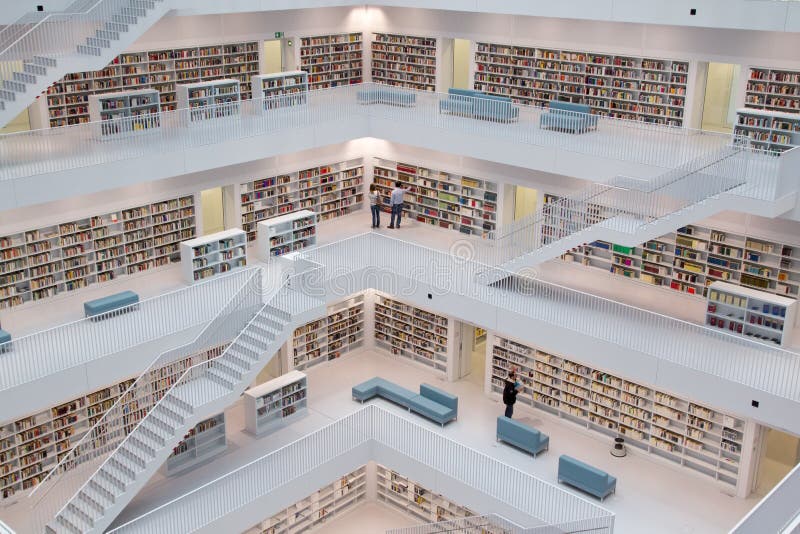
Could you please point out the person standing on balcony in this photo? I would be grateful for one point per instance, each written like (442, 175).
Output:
(510, 391)
(397, 204)
(374, 207)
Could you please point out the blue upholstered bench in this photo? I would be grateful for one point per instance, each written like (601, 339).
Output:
(568, 117)
(5, 341)
(583, 476)
(385, 95)
(111, 305)
(522, 436)
(474, 104)
(431, 402)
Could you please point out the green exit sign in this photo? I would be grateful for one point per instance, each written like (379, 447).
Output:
(278, 35)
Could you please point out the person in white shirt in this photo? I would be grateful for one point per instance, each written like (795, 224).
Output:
(397, 204)
(374, 206)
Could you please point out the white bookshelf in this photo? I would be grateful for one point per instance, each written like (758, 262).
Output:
(768, 130)
(412, 498)
(329, 501)
(209, 100)
(439, 198)
(329, 190)
(404, 60)
(332, 60)
(326, 339)
(213, 254)
(751, 313)
(282, 89)
(67, 101)
(43, 262)
(276, 403)
(773, 90)
(412, 333)
(205, 441)
(286, 233)
(31, 446)
(125, 112)
(626, 87)
(656, 422)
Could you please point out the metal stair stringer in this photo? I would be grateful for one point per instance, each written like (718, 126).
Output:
(201, 392)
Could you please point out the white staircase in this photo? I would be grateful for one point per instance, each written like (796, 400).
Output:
(202, 391)
(39, 49)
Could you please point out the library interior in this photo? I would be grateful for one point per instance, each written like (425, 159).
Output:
(414, 268)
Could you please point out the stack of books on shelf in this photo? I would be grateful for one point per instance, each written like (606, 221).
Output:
(679, 430)
(412, 333)
(203, 442)
(328, 190)
(410, 497)
(341, 331)
(750, 313)
(286, 233)
(67, 101)
(625, 87)
(404, 60)
(125, 112)
(209, 100)
(773, 90)
(328, 502)
(276, 403)
(332, 60)
(282, 89)
(768, 130)
(43, 262)
(213, 254)
(467, 205)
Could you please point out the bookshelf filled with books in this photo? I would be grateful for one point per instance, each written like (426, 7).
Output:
(769, 130)
(332, 60)
(326, 339)
(125, 112)
(203, 442)
(33, 445)
(412, 498)
(213, 254)
(656, 422)
(693, 257)
(66, 102)
(286, 233)
(626, 87)
(751, 313)
(43, 262)
(404, 60)
(209, 100)
(773, 90)
(331, 500)
(328, 190)
(439, 198)
(276, 403)
(412, 333)
(282, 89)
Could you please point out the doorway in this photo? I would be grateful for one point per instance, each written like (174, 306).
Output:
(212, 210)
(472, 358)
(273, 56)
(719, 106)
(525, 200)
(461, 63)
(780, 452)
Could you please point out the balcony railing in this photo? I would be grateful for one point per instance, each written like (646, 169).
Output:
(778, 512)
(370, 427)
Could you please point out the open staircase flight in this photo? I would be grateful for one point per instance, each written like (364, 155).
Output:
(202, 391)
(40, 49)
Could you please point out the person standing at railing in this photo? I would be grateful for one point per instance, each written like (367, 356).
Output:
(374, 207)
(510, 391)
(397, 204)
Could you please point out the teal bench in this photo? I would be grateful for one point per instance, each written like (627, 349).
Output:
(433, 403)
(585, 477)
(474, 104)
(568, 117)
(385, 95)
(5, 341)
(521, 436)
(111, 305)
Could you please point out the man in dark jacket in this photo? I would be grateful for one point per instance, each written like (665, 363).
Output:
(510, 391)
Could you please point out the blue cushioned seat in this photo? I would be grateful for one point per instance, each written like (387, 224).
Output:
(583, 476)
(568, 117)
(431, 409)
(110, 305)
(521, 435)
(386, 95)
(431, 402)
(474, 104)
(367, 390)
(5, 340)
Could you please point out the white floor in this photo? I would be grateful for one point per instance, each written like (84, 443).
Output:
(682, 501)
